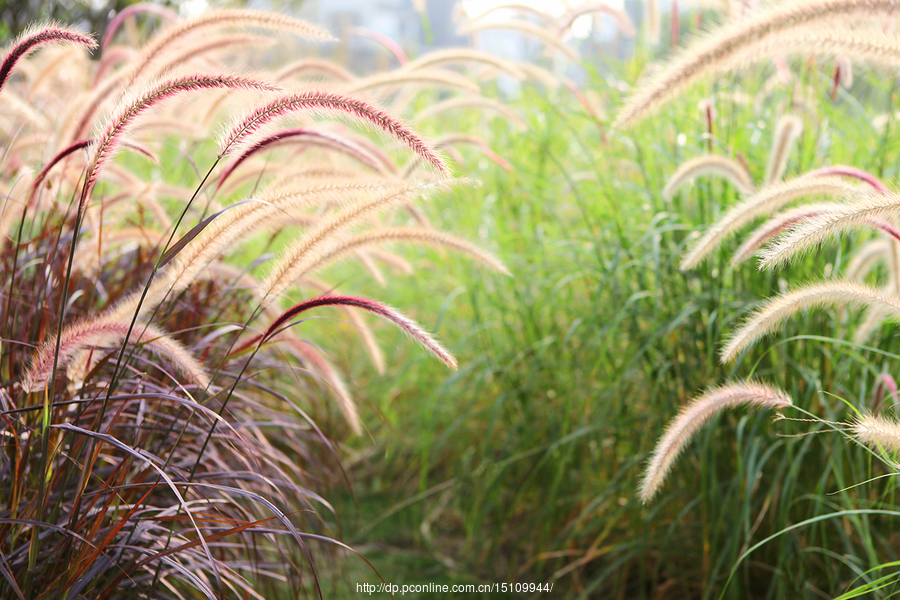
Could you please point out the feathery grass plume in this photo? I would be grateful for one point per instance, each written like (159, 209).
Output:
(386, 41)
(36, 36)
(884, 383)
(406, 324)
(235, 224)
(763, 202)
(866, 209)
(727, 45)
(406, 76)
(353, 317)
(13, 105)
(520, 8)
(166, 14)
(877, 432)
(207, 45)
(865, 258)
(621, 17)
(478, 102)
(776, 311)
(547, 36)
(296, 261)
(773, 227)
(653, 21)
(693, 416)
(787, 131)
(79, 145)
(315, 65)
(875, 316)
(853, 172)
(418, 236)
(220, 18)
(105, 333)
(316, 137)
(710, 164)
(110, 140)
(318, 101)
(465, 55)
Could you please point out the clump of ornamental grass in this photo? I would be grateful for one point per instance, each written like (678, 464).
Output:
(166, 425)
(837, 28)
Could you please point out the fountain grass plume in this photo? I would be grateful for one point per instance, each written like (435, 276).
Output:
(315, 65)
(92, 333)
(693, 416)
(478, 102)
(775, 226)
(819, 295)
(428, 237)
(166, 14)
(318, 101)
(109, 141)
(432, 77)
(865, 209)
(877, 432)
(219, 18)
(866, 257)
(299, 258)
(36, 36)
(314, 137)
(406, 324)
(786, 133)
(726, 168)
(626, 26)
(547, 36)
(723, 47)
(762, 203)
(466, 55)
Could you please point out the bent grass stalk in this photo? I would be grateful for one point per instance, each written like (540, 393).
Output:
(693, 416)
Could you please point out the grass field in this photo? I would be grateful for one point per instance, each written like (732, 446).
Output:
(524, 466)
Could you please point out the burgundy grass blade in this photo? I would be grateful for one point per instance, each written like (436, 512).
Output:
(30, 42)
(409, 326)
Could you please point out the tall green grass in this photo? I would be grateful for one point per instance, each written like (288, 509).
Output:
(523, 466)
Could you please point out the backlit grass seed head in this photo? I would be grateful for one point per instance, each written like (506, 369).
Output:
(731, 170)
(85, 334)
(421, 77)
(867, 209)
(775, 226)
(317, 102)
(547, 36)
(222, 18)
(406, 324)
(693, 416)
(877, 432)
(776, 311)
(786, 133)
(36, 36)
(110, 139)
(762, 203)
(735, 43)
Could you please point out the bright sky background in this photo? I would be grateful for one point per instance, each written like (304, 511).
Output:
(581, 28)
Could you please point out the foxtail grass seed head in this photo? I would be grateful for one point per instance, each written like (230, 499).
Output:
(693, 416)
(776, 311)
(730, 170)
(877, 432)
(36, 36)
(739, 43)
(319, 101)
